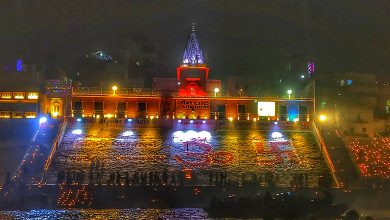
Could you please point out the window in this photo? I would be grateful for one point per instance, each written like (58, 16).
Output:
(241, 109)
(142, 106)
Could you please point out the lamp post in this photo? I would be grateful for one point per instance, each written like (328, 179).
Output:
(289, 92)
(114, 88)
(216, 90)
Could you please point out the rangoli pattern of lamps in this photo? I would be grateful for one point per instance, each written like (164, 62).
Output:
(74, 197)
(202, 159)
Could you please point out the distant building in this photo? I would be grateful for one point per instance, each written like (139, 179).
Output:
(354, 102)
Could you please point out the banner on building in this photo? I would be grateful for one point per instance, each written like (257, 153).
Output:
(193, 104)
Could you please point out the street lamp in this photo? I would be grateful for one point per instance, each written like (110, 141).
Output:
(114, 88)
(289, 92)
(216, 90)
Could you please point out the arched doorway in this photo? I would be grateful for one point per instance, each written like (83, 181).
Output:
(56, 108)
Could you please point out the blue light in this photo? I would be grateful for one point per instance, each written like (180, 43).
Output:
(19, 65)
(292, 110)
(349, 81)
(129, 119)
(42, 120)
(79, 119)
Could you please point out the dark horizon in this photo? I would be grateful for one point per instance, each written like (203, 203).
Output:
(242, 39)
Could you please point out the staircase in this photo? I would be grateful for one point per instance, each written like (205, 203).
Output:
(31, 167)
(344, 168)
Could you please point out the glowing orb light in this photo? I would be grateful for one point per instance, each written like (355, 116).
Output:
(180, 136)
(127, 134)
(276, 135)
(77, 132)
(322, 117)
(42, 120)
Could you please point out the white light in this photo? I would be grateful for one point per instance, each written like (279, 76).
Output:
(42, 120)
(302, 76)
(216, 90)
(276, 135)
(204, 135)
(322, 117)
(77, 132)
(204, 122)
(79, 119)
(127, 133)
(266, 108)
(275, 122)
(289, 92)
(179, 121)
(129, 119)
(296, 119)
(180, 136)
(191, 121)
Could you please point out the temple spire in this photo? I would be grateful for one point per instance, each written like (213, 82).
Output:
(193, 54)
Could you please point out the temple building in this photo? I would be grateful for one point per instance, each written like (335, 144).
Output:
(190, 96)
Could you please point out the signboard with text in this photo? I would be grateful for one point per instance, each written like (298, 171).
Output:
(192, 104)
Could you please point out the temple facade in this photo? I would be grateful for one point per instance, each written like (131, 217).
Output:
(189, 96)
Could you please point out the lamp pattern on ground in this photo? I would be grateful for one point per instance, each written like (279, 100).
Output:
(115, 148)
(372, 156)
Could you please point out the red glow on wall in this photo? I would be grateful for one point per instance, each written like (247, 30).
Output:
(192, 86)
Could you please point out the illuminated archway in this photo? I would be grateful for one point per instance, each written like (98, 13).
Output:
(56, 108)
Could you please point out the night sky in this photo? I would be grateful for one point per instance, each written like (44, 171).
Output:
(247, 38)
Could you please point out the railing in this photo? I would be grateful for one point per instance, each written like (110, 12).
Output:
(124, 91)
(325, 152)
(57, 141)
(150, 92)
